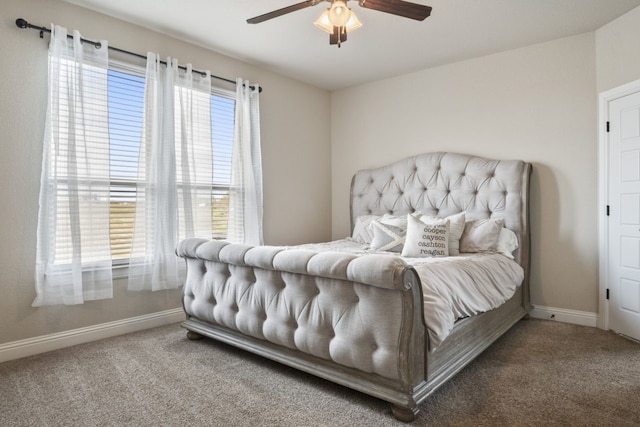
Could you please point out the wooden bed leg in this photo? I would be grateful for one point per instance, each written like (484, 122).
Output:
(194, 336)
(404, 414)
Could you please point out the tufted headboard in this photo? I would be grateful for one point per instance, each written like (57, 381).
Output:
(443, 184)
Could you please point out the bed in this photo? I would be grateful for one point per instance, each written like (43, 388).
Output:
(357, 315)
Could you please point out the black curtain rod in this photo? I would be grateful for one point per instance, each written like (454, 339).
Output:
(21, 23)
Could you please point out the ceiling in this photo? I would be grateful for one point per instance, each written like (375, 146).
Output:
(385, 46)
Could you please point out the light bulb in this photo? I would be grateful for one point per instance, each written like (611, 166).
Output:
(339, 13)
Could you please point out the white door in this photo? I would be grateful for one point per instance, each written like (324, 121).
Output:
(624, 215)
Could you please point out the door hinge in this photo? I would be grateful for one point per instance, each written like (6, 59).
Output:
(607, 210)
(607, 126)
(607, 293)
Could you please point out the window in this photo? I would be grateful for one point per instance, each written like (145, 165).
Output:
(134, 161)
(126, 106)
(126, 87)
(123, 131)
(222, 124)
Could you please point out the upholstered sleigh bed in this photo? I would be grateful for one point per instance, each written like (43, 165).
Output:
(358, 318)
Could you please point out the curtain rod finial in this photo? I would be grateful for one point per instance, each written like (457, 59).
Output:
(22, 23)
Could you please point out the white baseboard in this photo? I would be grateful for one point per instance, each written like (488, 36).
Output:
(584, 318)
(44, 343)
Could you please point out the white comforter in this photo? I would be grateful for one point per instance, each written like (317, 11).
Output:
(453, 287)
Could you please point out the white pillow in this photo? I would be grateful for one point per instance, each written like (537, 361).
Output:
(426, 240)
(507, 242)
(386, 237)
(399, 221)
(481, 235)
(456, 228)
(362, 233)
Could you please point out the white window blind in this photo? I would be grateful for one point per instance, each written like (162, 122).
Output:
(222, 123)
(126, 103)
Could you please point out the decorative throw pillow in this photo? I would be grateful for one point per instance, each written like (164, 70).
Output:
(426, 240)
(399, 221)
(481, 235)
(507, 242)
(387, 237)
(456, 228)
(362, 233)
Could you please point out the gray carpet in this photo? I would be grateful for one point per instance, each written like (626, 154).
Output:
(540, 373)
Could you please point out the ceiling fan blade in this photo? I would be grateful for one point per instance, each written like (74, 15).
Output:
(398, 7)
(283, 11)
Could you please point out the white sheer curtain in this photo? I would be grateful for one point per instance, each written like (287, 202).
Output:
(173, 198)
(73, 257)
(245, 195)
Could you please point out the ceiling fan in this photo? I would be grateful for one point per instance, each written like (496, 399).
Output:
(338, 19)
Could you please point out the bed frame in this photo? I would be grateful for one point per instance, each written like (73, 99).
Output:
(321, 312)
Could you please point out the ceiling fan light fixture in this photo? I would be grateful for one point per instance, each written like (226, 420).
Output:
(325, 24)
(338, 19)
(353, 23)
(339, 13)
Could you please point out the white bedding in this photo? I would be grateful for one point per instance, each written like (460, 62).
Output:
(453, 287)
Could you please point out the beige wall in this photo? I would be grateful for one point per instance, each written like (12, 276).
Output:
(292, 163)
(618, 51)
(536, 103)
